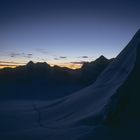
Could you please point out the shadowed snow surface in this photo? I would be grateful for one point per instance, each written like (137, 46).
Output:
(73, 117)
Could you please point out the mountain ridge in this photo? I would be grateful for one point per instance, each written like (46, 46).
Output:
(107, 109)
(41, 76)
(127, 95)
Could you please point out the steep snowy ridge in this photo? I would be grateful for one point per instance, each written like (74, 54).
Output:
(75, 116)
(125, 103)
(91, 101)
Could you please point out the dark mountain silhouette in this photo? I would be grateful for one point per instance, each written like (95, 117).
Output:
(38, 80)
(125, 113)
(108, 109)
(94, 68)
(122, 112)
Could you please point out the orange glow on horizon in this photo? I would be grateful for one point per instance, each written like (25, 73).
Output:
(67, 65)
(10, 66)
(70, 66)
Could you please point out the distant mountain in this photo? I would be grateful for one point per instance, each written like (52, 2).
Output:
(37, 80)
(94, 68)
(108, 109)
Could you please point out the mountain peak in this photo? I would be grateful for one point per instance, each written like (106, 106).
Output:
(30, 63)
(39, 65)
(101, 59)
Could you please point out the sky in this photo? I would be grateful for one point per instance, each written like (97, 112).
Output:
(65, 32)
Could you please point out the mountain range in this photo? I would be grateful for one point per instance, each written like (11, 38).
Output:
(107, 109)
(39, 80)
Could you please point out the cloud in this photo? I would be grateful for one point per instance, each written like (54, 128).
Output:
(6, 65)
(62, 57)
(10, 63)
(56, 58)
(78, 62)
(84, 56)
(26, 55)
(14, 54)
(29, 55)
(43, 59)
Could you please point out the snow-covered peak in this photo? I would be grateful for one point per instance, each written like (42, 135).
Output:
(69, 118)
(91, 101)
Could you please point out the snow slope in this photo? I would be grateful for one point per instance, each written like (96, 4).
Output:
(74, 116)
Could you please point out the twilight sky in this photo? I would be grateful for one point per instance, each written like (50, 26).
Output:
(65, 32)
